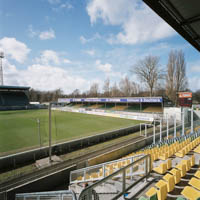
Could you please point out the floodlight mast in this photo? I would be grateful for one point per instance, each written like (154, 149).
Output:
(50, 152)
(1, 68)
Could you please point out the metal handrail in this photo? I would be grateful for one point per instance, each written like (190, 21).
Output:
(101, 166)
(87, 192)
(59, 194)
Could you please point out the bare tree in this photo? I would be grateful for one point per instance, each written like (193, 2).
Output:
(176, 79)
(127, 87)
(115, 92)
(94, 90)
(106, 87)
(76, 93)
(148, 70)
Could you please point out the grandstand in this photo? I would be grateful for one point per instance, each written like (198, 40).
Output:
(165, 170)
(13, 97)
(137, 104)
(137, 108)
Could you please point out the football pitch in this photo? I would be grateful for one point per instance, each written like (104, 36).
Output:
(20, 130)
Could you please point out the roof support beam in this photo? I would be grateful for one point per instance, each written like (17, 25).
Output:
(191, 20)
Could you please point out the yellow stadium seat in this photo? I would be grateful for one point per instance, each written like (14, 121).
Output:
(182, 168)
(155, 156)
(80, 178)
(87, 176)
(187, 163)
(192, 160)
(190, 193)
(162, 190)
(180, 153)
(177, 175)
(170, 182)
(94, 175)
(197, 174)
(164, 156)
(195, 182)
(151, 192)
(161, 169)
(169, 164)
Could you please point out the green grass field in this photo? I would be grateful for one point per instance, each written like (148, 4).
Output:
(19, 129)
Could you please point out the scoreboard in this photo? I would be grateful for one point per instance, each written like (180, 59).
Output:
(185, 99)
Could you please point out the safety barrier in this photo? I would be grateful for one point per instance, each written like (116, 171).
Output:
(118, 183)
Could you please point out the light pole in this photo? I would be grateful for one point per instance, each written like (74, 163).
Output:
(192, 125)
(50, 160)
(167, 127)
(39, 135)
(175, 125)
(1, 68)
(183, 125)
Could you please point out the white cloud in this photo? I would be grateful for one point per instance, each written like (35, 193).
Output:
(15, 49)
(90, 52)
(42, 35)
(67, 61)
(106, 68)
(85, 40)
(44, 77)
(54, 1)
(195, 67)
(46, 35)
(31, 32)
(194, 83)
(66, 5)
(48, 57)
(138, 22)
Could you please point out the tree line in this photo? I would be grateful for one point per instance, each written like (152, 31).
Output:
(151, 79)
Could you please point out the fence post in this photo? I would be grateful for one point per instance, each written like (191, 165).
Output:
(124, 181)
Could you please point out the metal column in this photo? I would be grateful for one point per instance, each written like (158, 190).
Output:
(154, 133)
(175, 125)
(167, 127)
(160, 130)
(192, 125)
(50, 132)
(183, 127)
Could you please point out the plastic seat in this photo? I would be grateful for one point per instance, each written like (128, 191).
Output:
(177, 175)
(169, 164)
(162, 190)
(191, 193)
(195, 182)
(180, 153)
(152, 194)
(164, 156)
(80, 178)
(187, 163)
(182, 168)
(192, 160)
(161, 169)
(197, 174)
(170, 182)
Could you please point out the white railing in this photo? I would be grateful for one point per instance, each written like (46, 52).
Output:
(98, 172)
(54, 195)
(120, 182)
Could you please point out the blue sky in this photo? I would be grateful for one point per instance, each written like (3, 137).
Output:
(69, 44)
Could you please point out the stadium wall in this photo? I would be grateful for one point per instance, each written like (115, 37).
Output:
(19, 159)
(118, 114)
(46, 183)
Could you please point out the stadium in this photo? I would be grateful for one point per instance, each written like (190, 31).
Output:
(142, 148)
